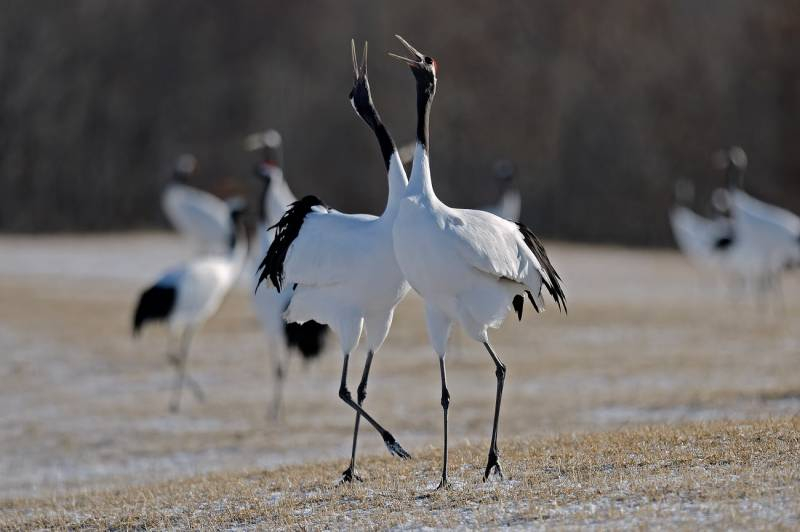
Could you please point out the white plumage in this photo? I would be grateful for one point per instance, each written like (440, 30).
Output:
(704, 241)
(467, 264)
(698, 237)
(196, 214)
(766, 238)
(186, 296)
(268, 303)
(770, 237)
(342, 266)
(471, 267)
(201, 284)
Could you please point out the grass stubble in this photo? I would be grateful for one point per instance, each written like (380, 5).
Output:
(718, 474)
(654, 404)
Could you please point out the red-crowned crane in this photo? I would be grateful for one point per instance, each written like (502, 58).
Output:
(342, 267)
(283, 338)
(471, 267)
(185, 297)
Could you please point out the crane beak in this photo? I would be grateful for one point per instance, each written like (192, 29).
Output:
(359, 71)
(419, 57)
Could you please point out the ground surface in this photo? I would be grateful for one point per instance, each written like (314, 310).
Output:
(658, 400)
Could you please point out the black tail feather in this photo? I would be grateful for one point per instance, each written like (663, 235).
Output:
(553, 280)
(286, 230)
(518, 302)
(533, 301)
(155, 304)
(308, 338)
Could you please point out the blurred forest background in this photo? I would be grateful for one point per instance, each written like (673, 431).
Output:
(602, 105)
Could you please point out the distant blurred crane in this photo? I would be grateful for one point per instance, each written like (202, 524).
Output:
(509, 204)
(307, 338)
(196, 214)
(767, 237)
(704, 241)
(470, 266)
(343, 266)
(187, 296)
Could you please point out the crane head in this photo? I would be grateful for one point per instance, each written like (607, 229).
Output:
(504, 171)
(734, 162)
(185, 166)
(360, 95)
(423, 66)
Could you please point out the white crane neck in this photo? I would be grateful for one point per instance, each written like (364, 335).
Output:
(420, 183)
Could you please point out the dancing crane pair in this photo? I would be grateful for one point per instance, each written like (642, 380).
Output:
(350, 271)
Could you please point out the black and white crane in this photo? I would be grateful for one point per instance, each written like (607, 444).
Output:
(777, 228)
(768, 237)
(283, 338)
(704, 241)
(186, 296)
(342, 266)
(196, 214)
(471, 267)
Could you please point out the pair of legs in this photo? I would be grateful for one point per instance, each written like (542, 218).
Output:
(493, 463)
(350, 473)
(178, 360)
(344, 394)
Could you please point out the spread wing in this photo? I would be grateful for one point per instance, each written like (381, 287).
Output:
(697, 236)
(762, 212)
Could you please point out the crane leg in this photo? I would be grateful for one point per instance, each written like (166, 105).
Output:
(280, 367)
(182, 376)
(350, 473)
(493, 464)
(344, 394)
(444, 483)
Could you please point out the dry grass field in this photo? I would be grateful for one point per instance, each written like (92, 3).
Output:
(660, 400)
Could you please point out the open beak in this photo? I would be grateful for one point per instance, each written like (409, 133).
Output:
(359, 71)
(413, 62)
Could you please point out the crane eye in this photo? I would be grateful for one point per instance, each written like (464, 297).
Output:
(429, 60)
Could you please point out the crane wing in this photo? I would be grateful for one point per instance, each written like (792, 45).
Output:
(314, 245)
(505, 250)
(198, 215)
(764, 212)
(696, 236)
(326, 248)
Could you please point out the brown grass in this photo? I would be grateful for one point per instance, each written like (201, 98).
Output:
(86, 438)
(719, 474)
